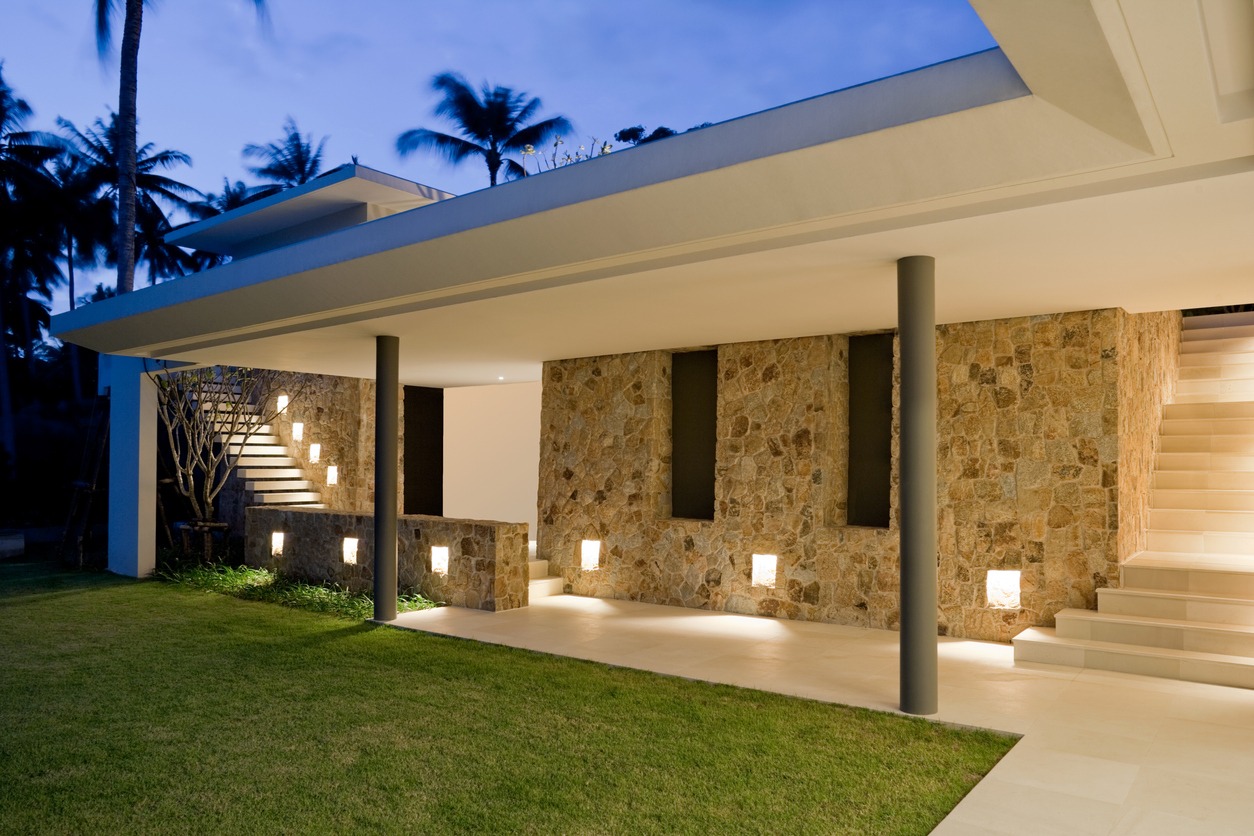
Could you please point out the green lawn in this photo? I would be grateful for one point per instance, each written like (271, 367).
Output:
(141, 707)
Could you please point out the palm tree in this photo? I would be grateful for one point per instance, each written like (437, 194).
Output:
(127, 159)
(493, 124)
(291, 161)
(28, 249)
(98, 148)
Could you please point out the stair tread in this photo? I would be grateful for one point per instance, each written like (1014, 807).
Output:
(1156, 621)
(1047, 635)
(1193, 562)
(1171, 594)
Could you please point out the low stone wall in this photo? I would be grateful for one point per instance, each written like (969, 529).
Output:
(487, 560)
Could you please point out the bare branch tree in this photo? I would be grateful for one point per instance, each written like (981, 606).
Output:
(209, 414)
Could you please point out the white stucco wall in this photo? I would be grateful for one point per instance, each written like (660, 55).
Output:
(492, 452)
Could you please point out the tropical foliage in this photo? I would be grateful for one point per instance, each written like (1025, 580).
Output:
(291, 161)
(493, 122)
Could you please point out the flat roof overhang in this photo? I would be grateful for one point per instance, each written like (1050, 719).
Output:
(1040, 185)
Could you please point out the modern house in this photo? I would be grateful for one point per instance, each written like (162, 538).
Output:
(899, 356)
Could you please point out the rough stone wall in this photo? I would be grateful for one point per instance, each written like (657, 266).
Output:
(487, 560)
(1149, 351)
(1028, 475)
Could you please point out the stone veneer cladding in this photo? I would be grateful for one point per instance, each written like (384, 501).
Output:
(1043, 422)
(487, 560)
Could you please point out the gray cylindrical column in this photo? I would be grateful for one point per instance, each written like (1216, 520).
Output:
(916, 321)
(386, 461)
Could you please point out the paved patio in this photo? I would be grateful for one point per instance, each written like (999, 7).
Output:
(1102, 753)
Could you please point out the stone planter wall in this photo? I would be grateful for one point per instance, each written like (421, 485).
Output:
(487, 560)
(1042, 421)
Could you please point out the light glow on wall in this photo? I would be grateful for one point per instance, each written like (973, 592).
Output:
(590, 555)
(298, 431)
(333, 475)
(276, 544)
(282, 403)
(439, 560)
(350, 550)
(315, 453)
(764, 566)
(1002, 589)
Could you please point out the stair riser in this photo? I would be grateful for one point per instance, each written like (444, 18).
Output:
(1212, 673)
(1226, 584)
(1201, 480)
(1217, 344)
(537, 569)
(288, 485)
(258, 449)
(1228, 462)
(1200, 542)
(267, 461)
(1217, 371)
(1180, 607)
(1154, 635)
(544, 588)
(1209, 322)
(1217, 330)
(1202, 500)
(261, 436)
(1215, 360)
(1192, 520)
(1191, 411)
(1215, 397)
(286, 498)
(1208, 426)
(1237, 444)
(254, 473)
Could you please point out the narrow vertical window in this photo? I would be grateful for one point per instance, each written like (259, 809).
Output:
(870, 429)
(424, 451)
(694, 415)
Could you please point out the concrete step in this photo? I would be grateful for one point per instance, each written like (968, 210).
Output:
(1236, 409)
(1215, 359)
(545, 587)
(1208, 426)
(537, 569)
(1206, 461)
(1207, 443)
(1147, 631)
(1203, 500)
(261, 435)
(1221, 320)
(250, 461)
(1199, 542)
(1217, 370)
(1198, 332)
(262, 472)
(1150, 603)
(1191, 519)
(1042, 645)
(1203, 480)
(1218, 575)
(286, 497)
(258, 449)
(1232, 344)
(279, 485)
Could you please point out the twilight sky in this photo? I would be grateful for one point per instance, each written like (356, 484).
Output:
(212, 80)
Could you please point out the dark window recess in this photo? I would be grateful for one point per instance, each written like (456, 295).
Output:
(870, 429)
(694, 415)
(424, 451)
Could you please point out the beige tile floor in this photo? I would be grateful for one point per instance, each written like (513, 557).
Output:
(1101, 753)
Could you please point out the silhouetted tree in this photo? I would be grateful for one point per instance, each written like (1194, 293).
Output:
(291, 161)
(493, 124)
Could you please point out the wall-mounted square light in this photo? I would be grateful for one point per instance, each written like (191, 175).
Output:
(590, 555)
(315, 453)
(298, 431)
(333, 475)
(439, 560)
(281, 403)
(276, 544)
(350, 550)
(1002, 589)
(764, 566)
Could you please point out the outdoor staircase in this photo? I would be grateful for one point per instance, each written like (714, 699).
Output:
(270, 474)
(1185, 609)
(539, 583)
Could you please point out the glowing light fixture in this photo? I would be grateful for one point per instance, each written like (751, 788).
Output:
(276, 544)
(282, 403)
(439, 560)
(1002, 589)
(315, 453)
(531, 549)
(500, 377)
(298, 431)
(764, 566)
(590, 555)
(350, 550)
(333, 475)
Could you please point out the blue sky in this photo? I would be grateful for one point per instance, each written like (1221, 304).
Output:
(212, 80)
